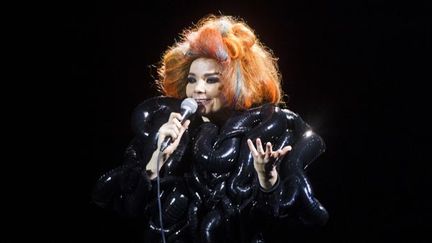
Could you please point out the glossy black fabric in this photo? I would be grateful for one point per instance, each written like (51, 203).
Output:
(209, 188)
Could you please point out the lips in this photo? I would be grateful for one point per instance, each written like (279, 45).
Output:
(203, 101)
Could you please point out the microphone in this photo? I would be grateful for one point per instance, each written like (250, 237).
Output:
(187, 108)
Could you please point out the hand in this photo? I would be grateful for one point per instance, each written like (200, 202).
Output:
(175, 130)
(265, 162)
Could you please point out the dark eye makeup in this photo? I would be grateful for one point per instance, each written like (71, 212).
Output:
(191, 80)
(209, 80)
(212, 80)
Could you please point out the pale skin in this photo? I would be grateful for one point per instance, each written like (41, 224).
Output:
(264, 162)
(204, 86)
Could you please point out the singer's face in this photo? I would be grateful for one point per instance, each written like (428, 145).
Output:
(204, 84)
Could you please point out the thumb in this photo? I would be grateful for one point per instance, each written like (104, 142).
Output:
(186, 124)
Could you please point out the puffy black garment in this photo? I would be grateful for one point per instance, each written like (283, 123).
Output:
(209, 188)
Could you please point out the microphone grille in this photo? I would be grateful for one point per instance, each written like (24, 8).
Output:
(189, 104)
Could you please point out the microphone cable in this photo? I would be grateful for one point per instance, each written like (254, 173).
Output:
(159, 198)
(188, 107)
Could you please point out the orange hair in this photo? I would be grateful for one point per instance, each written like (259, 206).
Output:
(250, 72)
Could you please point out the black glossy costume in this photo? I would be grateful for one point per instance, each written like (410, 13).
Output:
(209, 188)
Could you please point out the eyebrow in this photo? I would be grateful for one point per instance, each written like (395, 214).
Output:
(207, 74)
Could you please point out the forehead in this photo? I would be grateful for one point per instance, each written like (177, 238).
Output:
(205, 65)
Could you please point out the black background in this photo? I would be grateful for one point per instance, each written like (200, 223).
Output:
(355, 71)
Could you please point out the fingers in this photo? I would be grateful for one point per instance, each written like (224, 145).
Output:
(252, 148)
(186, 124)
(173, 127)
(258, 151)
(269, 149)
(267, 152)
(183, 128)
(281, 152)
(176, 123)
(175, 115)
(285, 150)
(170, 149)
(259, 147)
(175, 119)
(170, 131)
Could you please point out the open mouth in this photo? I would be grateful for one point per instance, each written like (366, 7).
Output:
(203, 101)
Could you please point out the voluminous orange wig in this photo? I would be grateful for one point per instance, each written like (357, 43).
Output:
(250, 73)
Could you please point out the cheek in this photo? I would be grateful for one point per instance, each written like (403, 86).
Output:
(216, 94)
(189, 90)
(214, 90)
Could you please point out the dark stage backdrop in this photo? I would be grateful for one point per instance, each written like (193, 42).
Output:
(352, 70)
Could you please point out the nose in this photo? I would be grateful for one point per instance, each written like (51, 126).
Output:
(199, 86)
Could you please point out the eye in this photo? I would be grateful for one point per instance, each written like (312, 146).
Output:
(212, 80)
(191, 80)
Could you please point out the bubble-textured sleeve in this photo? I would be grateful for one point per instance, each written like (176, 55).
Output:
(292, 196)
(127, 189)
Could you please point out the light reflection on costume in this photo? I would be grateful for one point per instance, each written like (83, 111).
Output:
(209, 189)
